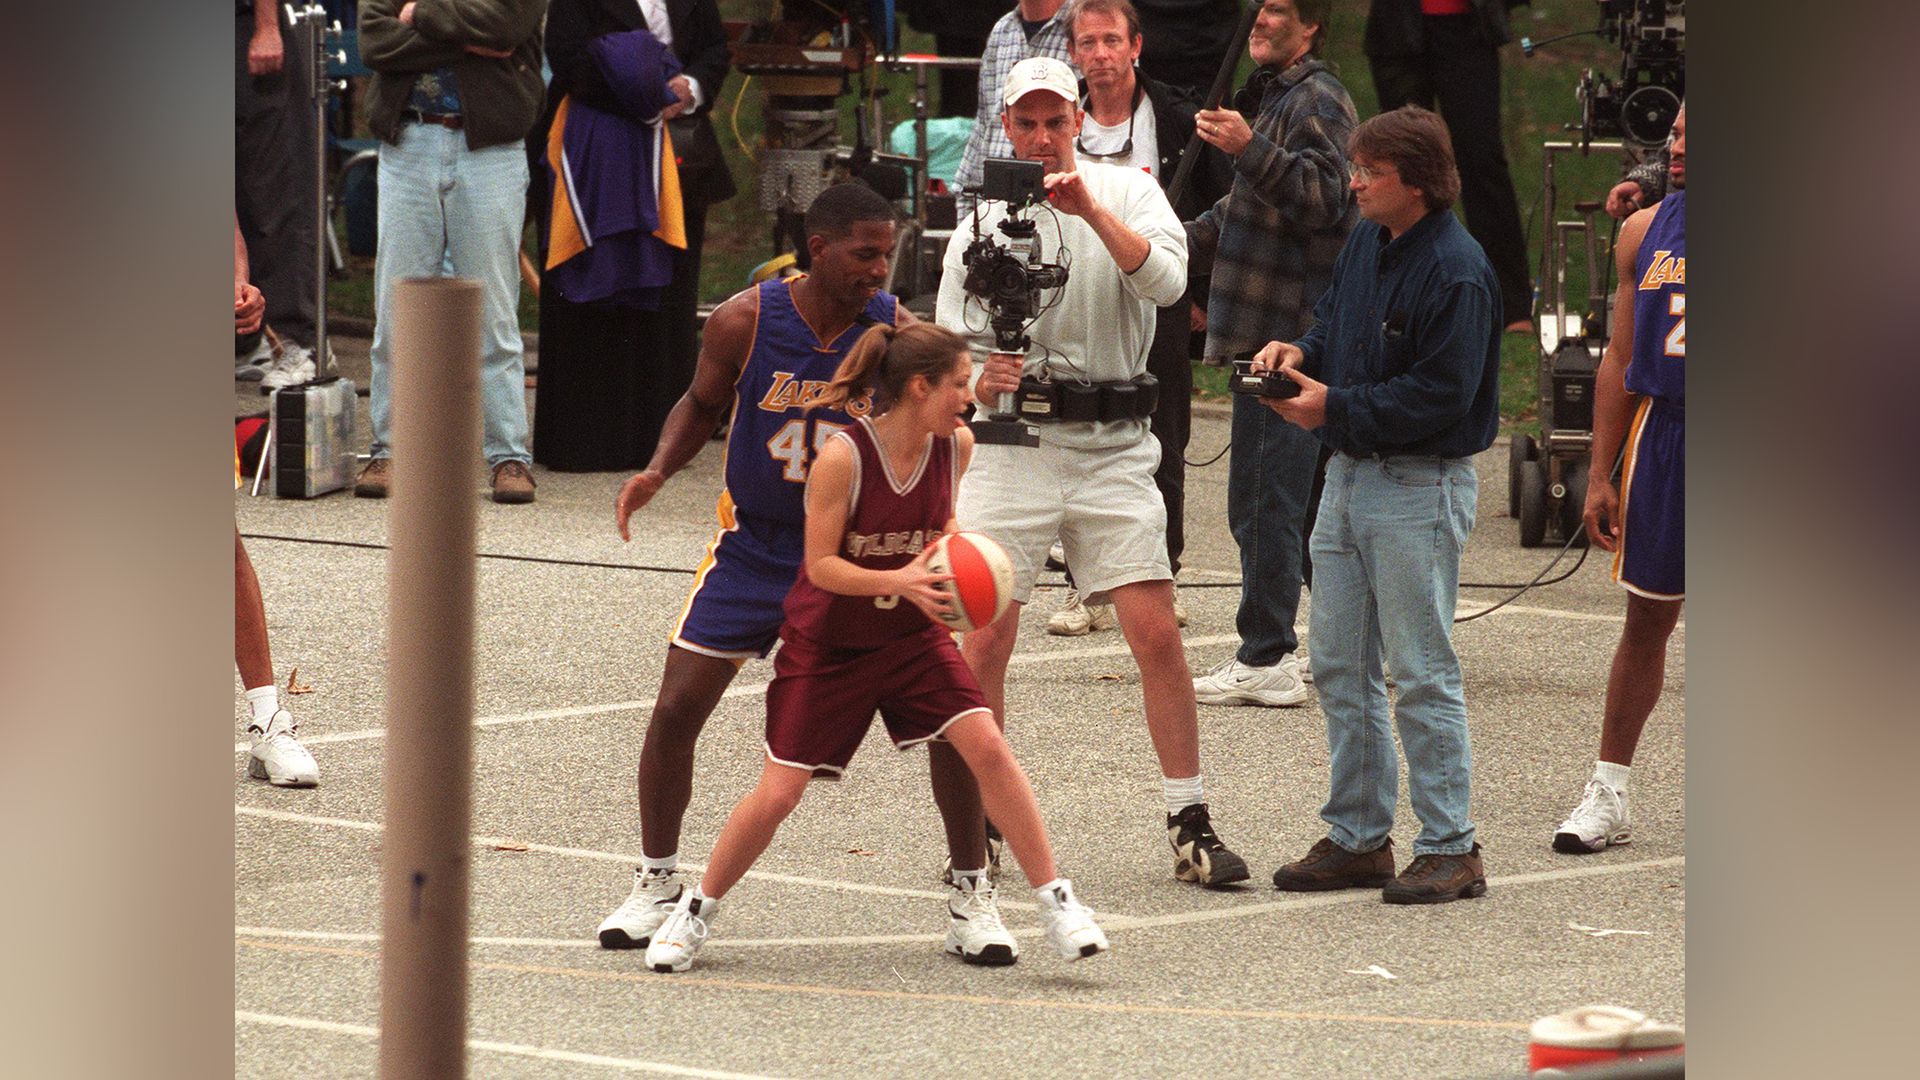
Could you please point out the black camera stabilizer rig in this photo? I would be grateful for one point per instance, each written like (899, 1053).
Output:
(1008, 280)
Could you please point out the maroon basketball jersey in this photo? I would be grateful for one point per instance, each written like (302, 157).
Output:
(890, 520)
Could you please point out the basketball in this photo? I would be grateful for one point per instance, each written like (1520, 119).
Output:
(982, 584)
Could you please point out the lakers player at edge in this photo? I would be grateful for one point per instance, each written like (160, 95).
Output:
(879, 495)
(765, 355)
(1640, 398)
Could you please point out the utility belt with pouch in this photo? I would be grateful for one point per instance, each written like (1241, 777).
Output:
(1044, 401)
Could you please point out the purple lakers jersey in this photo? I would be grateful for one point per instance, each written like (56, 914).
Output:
(774, 436)
(890, 520)
(1658, 367)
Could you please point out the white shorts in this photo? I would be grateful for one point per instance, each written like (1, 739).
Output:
(1101, 505)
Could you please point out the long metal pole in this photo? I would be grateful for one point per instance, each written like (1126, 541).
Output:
(429, 751)
(1222, 82)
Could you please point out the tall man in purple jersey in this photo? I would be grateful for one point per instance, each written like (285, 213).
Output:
(766, 353)
(1642, 379)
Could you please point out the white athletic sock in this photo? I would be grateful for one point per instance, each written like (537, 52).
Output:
(709, 907)
(1045, 892)
(1181, 794)
(1614, 776)
(975, 875)
(662, 865)
(264, 701)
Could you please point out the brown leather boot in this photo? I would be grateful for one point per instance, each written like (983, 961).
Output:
(375, 479)
(1436, 879)
(1329, 866)
(512, 483)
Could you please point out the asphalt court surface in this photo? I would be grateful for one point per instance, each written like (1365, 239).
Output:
(827, 960)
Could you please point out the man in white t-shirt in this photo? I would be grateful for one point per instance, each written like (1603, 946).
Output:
(1089, 482)
(1134, 121)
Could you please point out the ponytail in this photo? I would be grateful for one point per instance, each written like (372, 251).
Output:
(886, 358)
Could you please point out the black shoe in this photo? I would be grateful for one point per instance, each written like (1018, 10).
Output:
(1436, 879)
(1199, 856)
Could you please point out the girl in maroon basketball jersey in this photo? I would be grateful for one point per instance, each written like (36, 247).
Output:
(879, 495)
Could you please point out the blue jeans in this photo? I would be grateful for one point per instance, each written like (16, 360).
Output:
(1269, 480)
(1386, 574)
(446, 210)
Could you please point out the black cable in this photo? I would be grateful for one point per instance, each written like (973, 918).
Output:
(1209, 461)
(478, 554)
(1522, 591)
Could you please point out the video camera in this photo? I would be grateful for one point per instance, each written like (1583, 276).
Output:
(1641, 105)
(1008, 278)
(1638, 106)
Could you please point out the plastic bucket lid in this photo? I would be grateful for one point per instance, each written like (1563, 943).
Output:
(1605, 1027)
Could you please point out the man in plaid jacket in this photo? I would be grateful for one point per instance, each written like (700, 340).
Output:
(1270, 245)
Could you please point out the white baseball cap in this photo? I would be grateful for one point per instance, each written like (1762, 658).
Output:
(1040, 73)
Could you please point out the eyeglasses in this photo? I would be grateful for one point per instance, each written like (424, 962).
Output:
(1126, 148)
(1366, 174)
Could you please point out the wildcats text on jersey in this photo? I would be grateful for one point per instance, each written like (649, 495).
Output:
(1664, 269)
(880, 544)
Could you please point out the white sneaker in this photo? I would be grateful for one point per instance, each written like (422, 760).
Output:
(655, 894)
(679, 938)
(277, 757)
(250, 367)
(1073, 618)
(1306, 668)
(975, 933)
(1235, 683)
(1056, 557)
(1599, 822)
(1069, 923)
(1179, 611)
(293, 367)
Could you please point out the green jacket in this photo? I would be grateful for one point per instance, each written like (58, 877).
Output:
(500, 99)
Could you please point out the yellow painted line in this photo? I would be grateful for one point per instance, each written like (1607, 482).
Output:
(812, 990)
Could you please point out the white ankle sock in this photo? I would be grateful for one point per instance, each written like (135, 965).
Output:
(1614, 776)
(709, 907)
(661, 865)
(1045, 892)
(264, 701)
(975, 875)
(1181, 794)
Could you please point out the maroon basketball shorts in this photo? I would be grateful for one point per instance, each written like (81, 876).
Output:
(822, 700)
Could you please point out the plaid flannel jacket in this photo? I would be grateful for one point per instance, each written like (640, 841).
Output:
(1270, 243)
(1006, 46)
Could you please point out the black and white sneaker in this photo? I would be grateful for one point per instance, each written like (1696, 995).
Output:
(975, 932)
(1198, 854)
(655, 895)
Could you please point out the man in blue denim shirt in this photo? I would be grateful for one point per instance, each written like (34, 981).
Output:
(1400, 375)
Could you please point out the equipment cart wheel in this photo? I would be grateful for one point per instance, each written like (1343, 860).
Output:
(1520, 450)
(1533, 503)
(1573, 505)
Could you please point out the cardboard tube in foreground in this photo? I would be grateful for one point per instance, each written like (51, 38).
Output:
(429, 756)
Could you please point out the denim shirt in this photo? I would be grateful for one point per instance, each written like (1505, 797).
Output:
(1407, 340)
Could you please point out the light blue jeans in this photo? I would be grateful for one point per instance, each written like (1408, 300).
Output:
(1386, 574)
(446, 210)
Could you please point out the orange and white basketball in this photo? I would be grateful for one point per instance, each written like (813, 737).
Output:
(982, 584)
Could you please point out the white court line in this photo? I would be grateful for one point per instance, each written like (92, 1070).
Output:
(1108, 921)
(516, 1049)
(1368, 896)
(591, 943)
(740, 690)
(623, 858)
(1019, 659)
